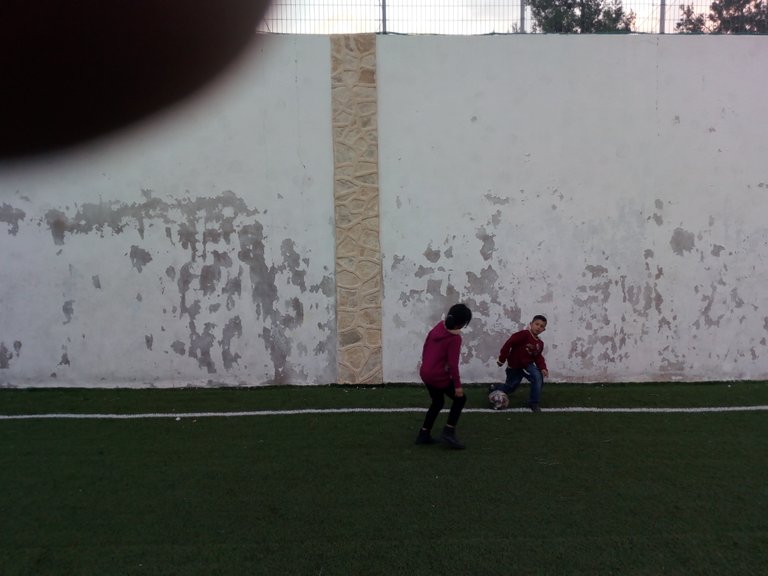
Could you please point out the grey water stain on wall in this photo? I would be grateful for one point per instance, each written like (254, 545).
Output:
(326, 286)
(279, 347)
(139, 257)
(251, 253)
(498, 200)
(489, 244)
(232, 328)
(200, 346)
(396, 261)
(232, 289)
(605, 341)
(292, 262)
(184, 282)
(431, 255)
(596, 271)
(69, 309)
(210, 233)
(57, 223)
(265, 296)
(5, 356)
(657, 217)
(642, 298)
(210, 274)
(682, 241)
(89, 218)
(421, 272)
(485, 283)
(598, 292)
(116, 216)
(11, 216)
(710, 320)
(297, 318)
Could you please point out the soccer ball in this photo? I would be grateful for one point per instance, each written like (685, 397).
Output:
(499, 400)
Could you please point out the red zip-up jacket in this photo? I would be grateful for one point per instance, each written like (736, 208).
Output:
(521, 349)
(440, 358)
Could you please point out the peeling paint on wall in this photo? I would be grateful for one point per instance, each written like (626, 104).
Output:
(208, 249)
(431, 255)
(69, 310)
(11, 216)
(5, 356)
(638, 278)
(682, 241)
(140, 258)
(489, 245)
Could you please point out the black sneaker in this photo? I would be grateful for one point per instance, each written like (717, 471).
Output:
(534, 408)
(449, 438)
(424, 437)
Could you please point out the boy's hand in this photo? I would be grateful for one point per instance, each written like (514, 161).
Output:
(459, 392)
(545, 373)
(499, 363)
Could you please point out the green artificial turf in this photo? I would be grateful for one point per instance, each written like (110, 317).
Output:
(557, 493)
(128, 401)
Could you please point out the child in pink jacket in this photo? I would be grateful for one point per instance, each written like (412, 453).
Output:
(440, 374)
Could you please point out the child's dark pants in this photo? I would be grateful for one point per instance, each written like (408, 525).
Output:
(438, 400)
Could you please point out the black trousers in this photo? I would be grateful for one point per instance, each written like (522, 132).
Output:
(438, 401)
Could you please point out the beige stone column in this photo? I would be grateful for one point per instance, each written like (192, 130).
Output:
(356, 204)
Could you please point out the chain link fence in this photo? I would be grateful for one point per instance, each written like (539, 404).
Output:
(444, 16)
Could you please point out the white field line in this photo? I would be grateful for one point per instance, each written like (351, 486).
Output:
(179, 415)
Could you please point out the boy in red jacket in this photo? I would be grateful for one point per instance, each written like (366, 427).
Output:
(523, 353)
(440, 374)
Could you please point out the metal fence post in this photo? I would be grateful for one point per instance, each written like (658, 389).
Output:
(662, 15)
(383, 16)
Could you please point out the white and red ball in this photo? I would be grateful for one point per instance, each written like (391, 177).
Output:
(499, 400)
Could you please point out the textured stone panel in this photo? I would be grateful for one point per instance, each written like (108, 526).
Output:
(356, 199)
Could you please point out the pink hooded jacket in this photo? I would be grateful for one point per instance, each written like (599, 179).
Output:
(440, 358)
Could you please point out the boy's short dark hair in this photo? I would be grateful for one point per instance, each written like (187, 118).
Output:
(539, 317)
(458, 317)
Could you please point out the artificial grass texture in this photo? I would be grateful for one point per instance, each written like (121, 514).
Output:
(351, 494)
(129, 401)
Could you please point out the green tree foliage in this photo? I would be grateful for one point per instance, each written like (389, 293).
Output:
(580, 16)
(726, 17)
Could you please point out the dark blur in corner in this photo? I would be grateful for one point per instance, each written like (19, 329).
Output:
(71, 70)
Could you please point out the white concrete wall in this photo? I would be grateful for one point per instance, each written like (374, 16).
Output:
(617, 185)
(194, 249)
